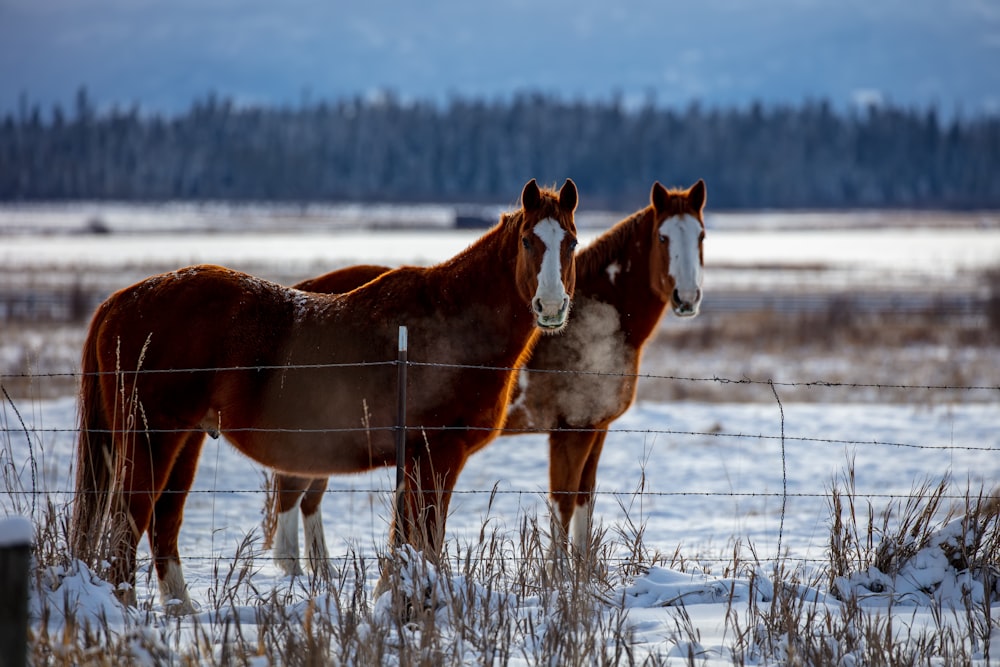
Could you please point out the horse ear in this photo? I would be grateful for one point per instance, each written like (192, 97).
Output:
(531, 197)
(568, 196)
(658, 196)
(696, 195)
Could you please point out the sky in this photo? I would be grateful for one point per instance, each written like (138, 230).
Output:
(162, 56)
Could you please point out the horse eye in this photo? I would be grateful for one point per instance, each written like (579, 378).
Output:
(572, 244)
(526, 242)
(663, 238)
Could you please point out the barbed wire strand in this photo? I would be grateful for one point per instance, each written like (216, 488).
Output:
(772, 384)
(510, 431)
(507, 369)
(27, 436)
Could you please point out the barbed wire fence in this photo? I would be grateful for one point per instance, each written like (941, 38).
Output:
(18, 429)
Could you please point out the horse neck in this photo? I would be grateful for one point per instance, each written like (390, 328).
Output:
(626, 245)
(485, 271)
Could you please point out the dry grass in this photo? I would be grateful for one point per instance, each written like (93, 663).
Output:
(497, 600)
(39, 360)
(874, 353)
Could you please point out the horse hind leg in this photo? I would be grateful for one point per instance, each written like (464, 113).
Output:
(129, 516)
(168, 513)
(143, 468)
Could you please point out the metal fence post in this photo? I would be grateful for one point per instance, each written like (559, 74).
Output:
(401, 436)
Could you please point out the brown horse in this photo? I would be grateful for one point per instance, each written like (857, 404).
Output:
(625, 279)
(291, 378)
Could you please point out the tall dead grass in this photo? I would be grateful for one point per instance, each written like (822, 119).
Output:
(497, 601)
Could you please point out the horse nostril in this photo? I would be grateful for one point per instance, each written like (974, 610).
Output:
(677, 296)
(536, 303)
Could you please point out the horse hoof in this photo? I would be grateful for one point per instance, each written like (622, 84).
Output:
(382, 586)
(289, 566)
(176, 607)
(322, 570)
(126, 595)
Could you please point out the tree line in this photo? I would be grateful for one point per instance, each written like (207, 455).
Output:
(469, 150)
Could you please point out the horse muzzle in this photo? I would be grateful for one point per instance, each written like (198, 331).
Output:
(686, 305)
(551, 316)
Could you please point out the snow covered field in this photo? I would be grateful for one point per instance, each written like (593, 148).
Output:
(706, 480)
(713, 481)
(868, 256)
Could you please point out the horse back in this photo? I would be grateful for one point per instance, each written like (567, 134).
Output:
(342, 280)
(170, 336)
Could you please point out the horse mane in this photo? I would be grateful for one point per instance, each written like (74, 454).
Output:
(550, 208)
(610, 245)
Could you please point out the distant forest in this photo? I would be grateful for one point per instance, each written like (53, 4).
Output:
(471, 150)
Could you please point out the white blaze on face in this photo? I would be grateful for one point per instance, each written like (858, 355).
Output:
(685, 260)
(550, 296)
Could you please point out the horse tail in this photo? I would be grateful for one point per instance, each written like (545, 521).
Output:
(96, 453)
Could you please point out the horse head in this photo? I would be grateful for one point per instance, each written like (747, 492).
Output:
(545, 269)
(676, 259)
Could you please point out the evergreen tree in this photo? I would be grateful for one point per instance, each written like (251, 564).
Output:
(384, 149)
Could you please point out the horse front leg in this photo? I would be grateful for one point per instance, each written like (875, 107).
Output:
(164, 531)
(581, 525)
(424, 499)
(427, 494)
(569, 451)
(293, 494)
(288, 493)
(312, 524)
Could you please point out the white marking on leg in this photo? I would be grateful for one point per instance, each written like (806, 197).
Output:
(316, 552)
(579, 527)
(557, 541)
(174, 591)
(286, 541)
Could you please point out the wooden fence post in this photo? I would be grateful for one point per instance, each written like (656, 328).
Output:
(15, 569)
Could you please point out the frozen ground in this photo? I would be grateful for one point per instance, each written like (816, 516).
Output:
(781, 261)
(706, 480)
(709, 458)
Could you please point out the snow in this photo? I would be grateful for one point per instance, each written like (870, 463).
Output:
(15, 531)
(704, 480)
(939, 252)
(711, 481)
